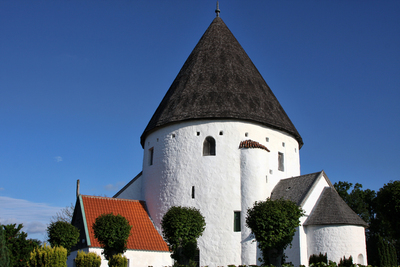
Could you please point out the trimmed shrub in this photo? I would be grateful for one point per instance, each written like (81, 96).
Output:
(318, 258)
(46, 256)
(90, 259)
(118, 261)
(346, 262)
(62, 234)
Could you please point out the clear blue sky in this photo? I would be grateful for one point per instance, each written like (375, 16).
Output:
(79, 81)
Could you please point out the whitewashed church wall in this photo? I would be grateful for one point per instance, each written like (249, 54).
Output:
(178, 165)
(338, 241)
(293, 252)
(134, 191)
(136, 258)
(307, 207)
(314, 195)
(254, 187)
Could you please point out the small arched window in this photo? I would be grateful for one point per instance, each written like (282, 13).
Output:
(209, 146)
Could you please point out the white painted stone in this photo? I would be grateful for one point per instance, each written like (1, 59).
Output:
(137, 258)
(178, 164)
(134, 191)
(337, 241)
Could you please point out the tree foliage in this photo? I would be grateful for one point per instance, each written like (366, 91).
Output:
(273, 223)
(62, 234)
(181, 227)
(360, 201)
(113, 232)
(4, 253)
(380, 210)
(18, 245)
(388, 208)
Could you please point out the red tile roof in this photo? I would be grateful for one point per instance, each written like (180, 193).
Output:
(252, 144)
(143, 236)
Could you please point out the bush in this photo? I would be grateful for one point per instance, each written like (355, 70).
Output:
(118, 260)
(46, 256)
(346, 262)
(318, 258)
(62, 234)
(112, 232)
(90, 259)
(181, 226)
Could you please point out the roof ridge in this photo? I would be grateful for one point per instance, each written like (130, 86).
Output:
(113, 198)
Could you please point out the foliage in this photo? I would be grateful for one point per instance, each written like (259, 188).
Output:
(181, 226)
(360, 201)
(318, 258)
(113, 232)
(4, 253)
(346, 262)
(46, 256)
(18, 245)
(380, 210)
(90, 259)
(273, 223)
(388, 207)
(64, 215)
(62, 234)
(118, 260)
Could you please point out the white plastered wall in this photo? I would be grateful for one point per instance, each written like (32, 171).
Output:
(338, 241)
(178, 165)
(133, 191)
(137, 258)
(298, 253)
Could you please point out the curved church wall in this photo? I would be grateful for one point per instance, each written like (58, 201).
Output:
(175, 173)
(337, 241)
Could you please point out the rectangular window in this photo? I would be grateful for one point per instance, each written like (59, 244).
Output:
(192, 191)
(151, 155)
(281, 161)
(236, 221)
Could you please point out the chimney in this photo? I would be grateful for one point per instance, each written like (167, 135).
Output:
(77, 188)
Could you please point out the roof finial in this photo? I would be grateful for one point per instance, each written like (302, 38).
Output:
(217, 11)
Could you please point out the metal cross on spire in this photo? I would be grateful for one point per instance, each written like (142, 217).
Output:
(217, 11)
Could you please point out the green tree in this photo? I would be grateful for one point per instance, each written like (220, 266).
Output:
(18, 245)
(4, 253)
(113, 232)
(360, 201)
(273, 223)
(388, 212)
(181, 227)
(62, 234)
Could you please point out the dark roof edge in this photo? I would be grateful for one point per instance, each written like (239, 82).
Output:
(314, 184)
(294, 135)
(127, 185)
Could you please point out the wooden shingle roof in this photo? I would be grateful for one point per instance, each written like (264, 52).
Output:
(332, 210)
(296, 188)
(219, 81)
(143, 235)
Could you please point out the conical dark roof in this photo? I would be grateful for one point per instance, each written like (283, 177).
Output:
(219, 81)
(331, 209)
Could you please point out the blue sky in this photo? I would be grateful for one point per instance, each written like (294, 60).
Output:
(79, 81)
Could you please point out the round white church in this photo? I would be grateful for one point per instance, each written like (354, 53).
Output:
(219, 141)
